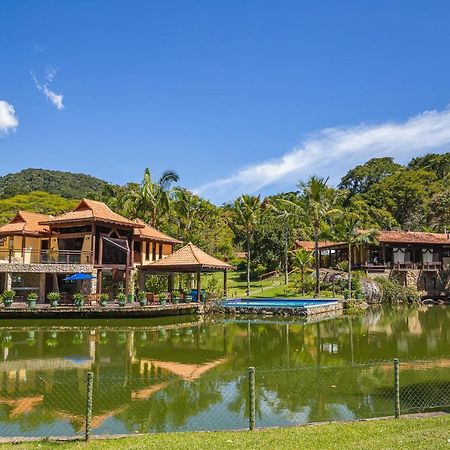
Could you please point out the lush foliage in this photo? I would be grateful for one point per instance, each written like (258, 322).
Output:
(393, 292)
(66, 184)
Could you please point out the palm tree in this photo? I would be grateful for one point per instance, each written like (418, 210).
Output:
(149, 200)
(285, 212)
(316, 202)
(349, 231)
(248, 209)
(187, 206)
(301, 261)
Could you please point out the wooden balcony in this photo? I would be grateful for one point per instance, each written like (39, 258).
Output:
(28, 256)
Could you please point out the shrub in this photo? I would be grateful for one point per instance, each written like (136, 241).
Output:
(53, 296)
(393, 292)
(32, 296)
(9, 295)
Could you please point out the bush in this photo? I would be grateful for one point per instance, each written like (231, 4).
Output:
(394, 293)
(156, 284)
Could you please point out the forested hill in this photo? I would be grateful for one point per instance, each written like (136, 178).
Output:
(65, 184)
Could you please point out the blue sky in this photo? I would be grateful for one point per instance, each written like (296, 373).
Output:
(235, 96)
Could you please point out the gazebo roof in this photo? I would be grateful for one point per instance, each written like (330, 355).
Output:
(189, 259)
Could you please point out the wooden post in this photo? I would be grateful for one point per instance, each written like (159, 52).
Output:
(199, 297)
(224, 283)
(397, 388)
(100, 251)
(252, 399)
(99, 281)
(89, 395)
(93, 244)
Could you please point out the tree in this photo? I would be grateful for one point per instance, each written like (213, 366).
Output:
(349, 231)
(432, 162)
(151, 201)
(359, 179)
(187, 206)
(406, 195)
(302, 260)
(247, 213)
(319, 201)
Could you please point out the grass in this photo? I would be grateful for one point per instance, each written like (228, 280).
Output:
(423, 433)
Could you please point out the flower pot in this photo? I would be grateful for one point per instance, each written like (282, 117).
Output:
(79, 303)
(103, 303)
(130, 298)
(31, 303)
(176, 300)
(122, 303)
(53, 303)
(163, 302)
(143, 302)
(7, 302)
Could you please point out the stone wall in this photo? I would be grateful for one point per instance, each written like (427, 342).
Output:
(45, 268)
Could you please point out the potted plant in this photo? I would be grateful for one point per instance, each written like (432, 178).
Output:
(103, 299)
(78, 299)
(8, 297)
(53, 298)
(121, 298)
(162, 299)
(142, 298)
(31, 299)
(130, 298)
(175, 297)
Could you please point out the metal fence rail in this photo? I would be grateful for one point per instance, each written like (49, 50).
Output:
(84, 404)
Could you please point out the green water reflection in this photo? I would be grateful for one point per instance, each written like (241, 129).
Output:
(190, 373)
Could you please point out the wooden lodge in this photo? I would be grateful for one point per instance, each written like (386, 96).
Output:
(396, 250)
(37, 251)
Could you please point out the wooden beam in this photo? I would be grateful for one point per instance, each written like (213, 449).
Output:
(225, 283)
(199, 286)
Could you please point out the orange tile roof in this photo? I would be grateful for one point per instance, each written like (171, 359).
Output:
(148, 232)
(190, 256)
(413, 237)
(26, 223)
(309, 245)
(91, 210)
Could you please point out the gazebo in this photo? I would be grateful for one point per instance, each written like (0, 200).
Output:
(189, 259)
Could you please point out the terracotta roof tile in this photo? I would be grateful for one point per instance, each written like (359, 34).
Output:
(190, 256)
(148, 232)
(26, 222)
(413, 237)
(309, 245)
(93, 211)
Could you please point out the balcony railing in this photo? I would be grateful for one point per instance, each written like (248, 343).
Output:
(28, 256)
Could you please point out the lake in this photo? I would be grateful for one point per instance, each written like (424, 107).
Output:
(190, 373)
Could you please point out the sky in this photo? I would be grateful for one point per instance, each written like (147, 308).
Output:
(237, 96)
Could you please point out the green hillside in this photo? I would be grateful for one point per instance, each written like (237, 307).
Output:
(65, 184)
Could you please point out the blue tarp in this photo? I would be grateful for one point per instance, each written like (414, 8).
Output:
(79, 276)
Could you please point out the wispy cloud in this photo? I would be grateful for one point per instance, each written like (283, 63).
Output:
(8, 119)
(332, 151)
(56, 99)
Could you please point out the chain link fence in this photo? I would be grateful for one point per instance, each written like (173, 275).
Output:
(162, 399)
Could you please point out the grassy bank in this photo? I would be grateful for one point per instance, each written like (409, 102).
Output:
(424, 433)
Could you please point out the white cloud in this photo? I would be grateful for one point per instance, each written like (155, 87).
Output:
(56, 99)
(333, 151)
(8, 118)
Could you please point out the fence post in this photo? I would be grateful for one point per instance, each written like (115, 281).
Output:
(251, 397)
(397, 387)
(89, 393)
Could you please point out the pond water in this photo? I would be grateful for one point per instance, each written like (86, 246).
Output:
(190, 373)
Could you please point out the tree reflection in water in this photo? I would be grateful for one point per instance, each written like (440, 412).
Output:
(150, 376)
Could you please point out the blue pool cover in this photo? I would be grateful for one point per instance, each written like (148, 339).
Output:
(276, 303)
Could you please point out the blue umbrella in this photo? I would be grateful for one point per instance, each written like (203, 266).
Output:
(79, 276)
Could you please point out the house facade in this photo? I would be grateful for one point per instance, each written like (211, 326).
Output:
(38, 252)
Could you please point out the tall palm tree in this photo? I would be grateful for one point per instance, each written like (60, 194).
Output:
(317, 201)
(285, 212)
(187, 206)
(248, 210)
(349, 231)
(149, 200)
(302, 260)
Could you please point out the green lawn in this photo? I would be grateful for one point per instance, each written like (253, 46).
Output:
(425, 433)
